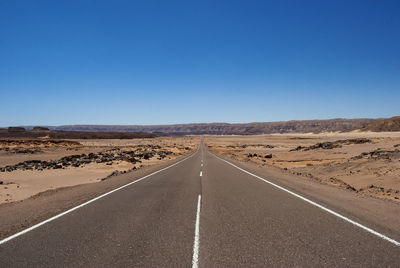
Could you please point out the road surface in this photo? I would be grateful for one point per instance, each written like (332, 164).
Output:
(200, 212)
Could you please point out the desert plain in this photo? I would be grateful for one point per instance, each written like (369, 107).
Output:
(40, 177)
(366, 163)
(32, 166)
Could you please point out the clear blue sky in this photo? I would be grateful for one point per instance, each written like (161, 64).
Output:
(157, 62)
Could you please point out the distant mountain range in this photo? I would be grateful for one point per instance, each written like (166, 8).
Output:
(41, 132)
(388, 124)
(297, 126)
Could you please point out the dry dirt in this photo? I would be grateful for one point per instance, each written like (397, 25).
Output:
(364, 162)
(96, 160)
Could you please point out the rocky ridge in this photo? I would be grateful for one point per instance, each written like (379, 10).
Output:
(331, 145)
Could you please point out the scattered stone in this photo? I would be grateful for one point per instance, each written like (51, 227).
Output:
(16, 129)
(43, 143)
(268, 156)
(331, 145)
(379, 154)
(102, 157)
(115, 172)
(251, 145)
(298, 148)
(22, 151)
(40, 129)
(147, 155)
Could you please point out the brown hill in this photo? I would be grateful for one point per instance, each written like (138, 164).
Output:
(388, 124)
(298, 126)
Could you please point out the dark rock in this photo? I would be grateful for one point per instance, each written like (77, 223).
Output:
(40, 129)
(379, 154)
(268, 156)
(331, 145)
(79, 160)
(298, 148)
(16, 129)
(349, 187)
(147, 155)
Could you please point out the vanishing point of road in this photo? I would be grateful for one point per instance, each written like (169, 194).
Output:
(200, 212)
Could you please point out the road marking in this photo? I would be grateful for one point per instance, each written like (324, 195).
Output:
(317, 205)
(201, 173)
(201, 164)
(90, 201)
(196, 243)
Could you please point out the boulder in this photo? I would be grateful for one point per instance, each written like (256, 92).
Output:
(40, 129)
(16, 129)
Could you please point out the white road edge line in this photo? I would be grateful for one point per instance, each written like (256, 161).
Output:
(201, 173)
(90, 201)
(196, 243)
(317, 205)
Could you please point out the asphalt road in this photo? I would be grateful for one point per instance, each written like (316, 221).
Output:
(160, 221)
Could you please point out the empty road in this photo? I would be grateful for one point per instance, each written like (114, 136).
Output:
(200, 212)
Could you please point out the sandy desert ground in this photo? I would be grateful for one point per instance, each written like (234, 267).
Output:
(31, 166)
(364, 162)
